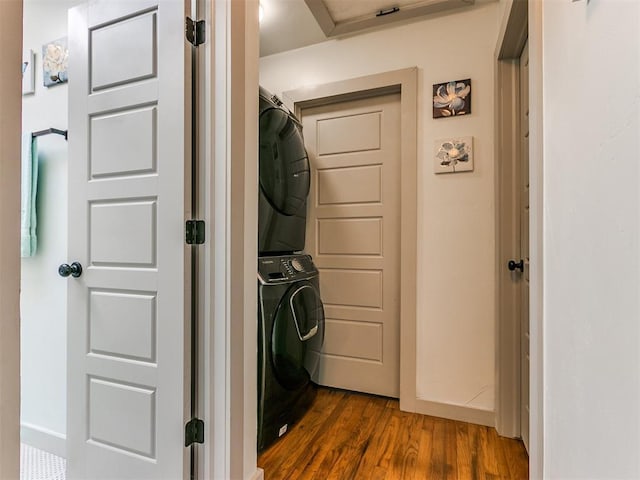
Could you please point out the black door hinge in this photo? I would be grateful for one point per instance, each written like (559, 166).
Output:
(194, 232)
(196, 31)
(193, 432)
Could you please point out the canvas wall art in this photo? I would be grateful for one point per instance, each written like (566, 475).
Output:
(451, 99)
(55, 61)
(453, 155)
(28, 72)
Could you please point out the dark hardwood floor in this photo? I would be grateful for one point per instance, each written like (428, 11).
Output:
(348, 435)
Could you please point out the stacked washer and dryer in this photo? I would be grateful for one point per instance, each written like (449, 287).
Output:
(290, 312)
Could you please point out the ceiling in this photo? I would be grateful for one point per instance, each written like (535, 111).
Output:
(291, 24)
(287, 25)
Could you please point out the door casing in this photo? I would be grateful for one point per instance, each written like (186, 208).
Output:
(507, 131)
(522, 19)
(10, 127)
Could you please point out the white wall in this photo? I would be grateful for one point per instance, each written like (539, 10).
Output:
(591, 231)
(43, 296)
(456, 238)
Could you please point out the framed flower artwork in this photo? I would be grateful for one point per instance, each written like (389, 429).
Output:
(55, 61)
(452, 99)
(453, 155)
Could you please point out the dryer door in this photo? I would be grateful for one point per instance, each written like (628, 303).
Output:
(284, 165)
(298, 331)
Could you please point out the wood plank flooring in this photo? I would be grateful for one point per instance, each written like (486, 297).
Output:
(348, 435)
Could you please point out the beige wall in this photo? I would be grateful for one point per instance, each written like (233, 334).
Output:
(10, 79)
(456, 234)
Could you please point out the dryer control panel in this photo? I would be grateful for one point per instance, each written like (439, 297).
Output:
(285, 268)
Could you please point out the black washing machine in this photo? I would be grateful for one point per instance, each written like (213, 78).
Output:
(284, 179)
(290, 335)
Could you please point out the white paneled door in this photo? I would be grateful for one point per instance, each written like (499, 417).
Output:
(129, 196)
(353, 233)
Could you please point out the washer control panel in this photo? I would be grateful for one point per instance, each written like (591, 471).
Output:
(285, 268)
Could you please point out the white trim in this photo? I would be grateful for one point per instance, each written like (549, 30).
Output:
(455, 412)
(536, 225)
(232, 213)
(215, 379)
(258, 475)
(44, 439)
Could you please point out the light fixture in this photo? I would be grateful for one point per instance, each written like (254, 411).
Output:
(260, 12)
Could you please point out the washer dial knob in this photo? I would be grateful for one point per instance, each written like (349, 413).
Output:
(297, 266)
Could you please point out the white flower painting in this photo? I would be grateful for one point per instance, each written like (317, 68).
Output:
(451, 99)
(452, 155)
(55, 61)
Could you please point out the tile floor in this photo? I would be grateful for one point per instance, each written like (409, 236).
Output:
(40, 465)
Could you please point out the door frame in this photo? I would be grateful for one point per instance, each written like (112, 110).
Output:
(228, 184)
(10, 128)
(405, 82)
(228, 142)
(522, 19)
(507, 149)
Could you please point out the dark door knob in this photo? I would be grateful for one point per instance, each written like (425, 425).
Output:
(75, 270)
(513, 265)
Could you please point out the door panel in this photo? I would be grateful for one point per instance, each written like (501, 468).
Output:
(350, 236)
(123, 234)
(354, 339)
(353, 234)
(524, 245)
(133, 41)
(129, 196)
(111, 313)
(134, 153)
(350, 185)
(348, 133)
(131, 430)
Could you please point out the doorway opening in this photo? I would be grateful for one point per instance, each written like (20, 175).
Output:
(43, 297)
(121, 373)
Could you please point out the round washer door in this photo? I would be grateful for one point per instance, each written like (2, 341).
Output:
(284, 164)
(298, 331)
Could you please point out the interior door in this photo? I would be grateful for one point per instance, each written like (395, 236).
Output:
(129, 185)
(524, 245)
(353, 234)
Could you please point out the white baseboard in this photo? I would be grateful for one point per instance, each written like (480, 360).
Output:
(44, 439)
(456, 412)
(258, 475)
